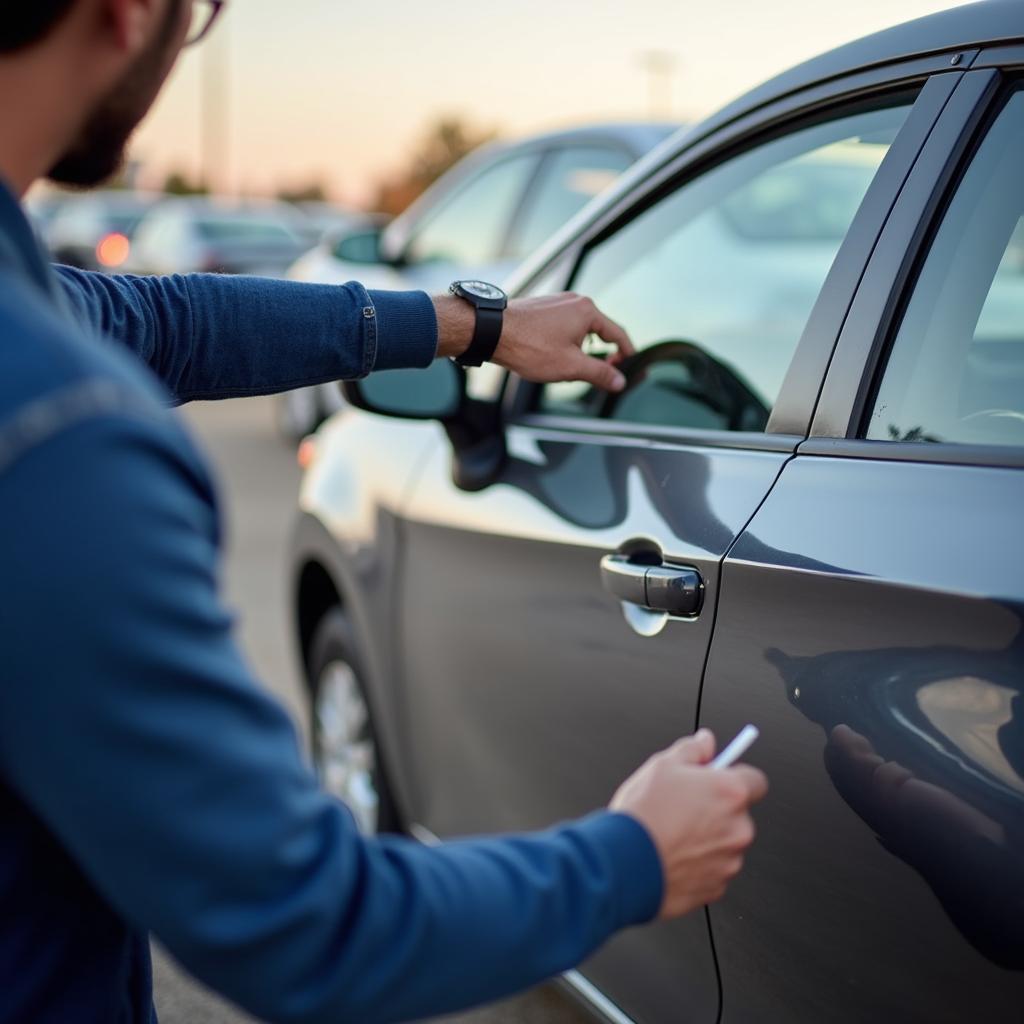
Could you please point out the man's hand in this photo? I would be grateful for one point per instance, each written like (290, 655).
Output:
(698, 818)
(541, 338)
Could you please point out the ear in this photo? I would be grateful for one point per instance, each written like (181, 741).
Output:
(131, 24)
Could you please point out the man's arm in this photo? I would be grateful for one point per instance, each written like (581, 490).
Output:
(179, 788)
(213, 336)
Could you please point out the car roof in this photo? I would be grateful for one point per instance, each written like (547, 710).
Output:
(219, 206)
(636, 136)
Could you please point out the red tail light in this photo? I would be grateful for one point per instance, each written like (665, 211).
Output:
(112, 250)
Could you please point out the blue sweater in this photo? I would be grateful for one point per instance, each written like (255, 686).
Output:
(147, 782)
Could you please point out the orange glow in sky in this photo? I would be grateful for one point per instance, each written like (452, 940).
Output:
(339, 90)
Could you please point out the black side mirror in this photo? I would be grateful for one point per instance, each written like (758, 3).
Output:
(359, 247)
(436, 393)
(439, 393)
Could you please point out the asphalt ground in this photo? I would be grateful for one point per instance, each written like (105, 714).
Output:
(259, 481)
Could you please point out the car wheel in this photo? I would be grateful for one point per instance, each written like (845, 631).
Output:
(346, 754)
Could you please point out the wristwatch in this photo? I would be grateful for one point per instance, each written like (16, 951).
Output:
(489, 301)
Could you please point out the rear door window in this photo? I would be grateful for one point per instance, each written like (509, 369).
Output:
(956, 370)
(470, 226)
(570, 178)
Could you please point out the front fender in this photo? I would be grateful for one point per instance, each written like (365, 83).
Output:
(349, 532)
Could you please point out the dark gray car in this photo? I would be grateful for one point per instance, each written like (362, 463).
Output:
(805, 512)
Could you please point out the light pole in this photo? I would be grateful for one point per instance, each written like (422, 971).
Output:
(214, 92)
(660, 66)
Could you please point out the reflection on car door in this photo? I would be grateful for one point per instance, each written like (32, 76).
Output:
(870, 622)
(528, 696)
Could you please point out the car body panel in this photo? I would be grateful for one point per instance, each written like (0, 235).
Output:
(348, 527)
(855, 598)
(550, 737)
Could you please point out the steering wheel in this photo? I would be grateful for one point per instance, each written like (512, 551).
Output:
(710, 383)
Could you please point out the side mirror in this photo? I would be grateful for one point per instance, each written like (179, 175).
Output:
(436, 393)
(439, 393)
(361, 246)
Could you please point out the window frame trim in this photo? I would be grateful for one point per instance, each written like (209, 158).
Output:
(891, 277)
(936, 80)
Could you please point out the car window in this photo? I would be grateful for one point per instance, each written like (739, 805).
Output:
(715, 283)
(470, 226)
(956, 370)
(570, 178)
(152, 232)
(244, 229)
(79, 217)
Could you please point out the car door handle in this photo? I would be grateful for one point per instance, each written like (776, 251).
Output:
(661, 588)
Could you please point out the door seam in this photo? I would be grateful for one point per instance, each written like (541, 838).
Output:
(700, 696)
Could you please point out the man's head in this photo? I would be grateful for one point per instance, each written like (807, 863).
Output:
(111, 56)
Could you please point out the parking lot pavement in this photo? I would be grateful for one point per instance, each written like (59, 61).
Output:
(259, 480)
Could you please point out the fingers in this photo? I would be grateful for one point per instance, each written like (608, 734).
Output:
(696, 749)
(754, 781)
(598, 373)
(608, 330)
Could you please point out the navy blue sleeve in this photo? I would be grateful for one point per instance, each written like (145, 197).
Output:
(132, 727)
(213, 336)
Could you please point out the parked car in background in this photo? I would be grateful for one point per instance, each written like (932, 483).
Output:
(479, 220)
(96, 230)
(803, 512)
(42, 207)
(325, 222)
(203, 234)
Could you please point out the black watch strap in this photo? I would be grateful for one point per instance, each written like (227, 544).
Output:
(486, 336)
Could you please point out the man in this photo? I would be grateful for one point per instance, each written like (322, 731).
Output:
(147, 784)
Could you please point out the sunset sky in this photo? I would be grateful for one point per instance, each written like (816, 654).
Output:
(339, 91)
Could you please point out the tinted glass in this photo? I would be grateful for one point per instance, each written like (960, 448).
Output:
(569, 180)
(244, 229)
(956, 372)
(717, 281)
(470, 226)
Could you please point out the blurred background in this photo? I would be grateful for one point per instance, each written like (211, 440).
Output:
(395, 143)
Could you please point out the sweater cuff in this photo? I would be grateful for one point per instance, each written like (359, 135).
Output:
(636, 865)
(406, 325)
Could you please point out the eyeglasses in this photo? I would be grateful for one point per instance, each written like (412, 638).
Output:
(204, 14)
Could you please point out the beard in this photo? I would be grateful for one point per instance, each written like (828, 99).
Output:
(98, 152)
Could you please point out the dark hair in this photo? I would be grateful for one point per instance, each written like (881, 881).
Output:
(23, 24)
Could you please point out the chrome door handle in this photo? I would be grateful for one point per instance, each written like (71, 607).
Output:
(661, 588)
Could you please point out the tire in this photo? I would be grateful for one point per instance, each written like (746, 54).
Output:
(346, 753)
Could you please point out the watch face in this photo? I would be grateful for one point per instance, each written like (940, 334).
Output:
(482, 290)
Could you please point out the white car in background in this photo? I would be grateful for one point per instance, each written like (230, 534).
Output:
(485, 215)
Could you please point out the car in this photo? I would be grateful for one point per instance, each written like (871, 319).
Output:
(323, 221)
(478, 220)
(216, 235)
(95, 230)
(802, 513)
(42, 207)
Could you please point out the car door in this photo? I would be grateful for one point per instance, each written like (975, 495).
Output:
(529, 691)
(870, 622)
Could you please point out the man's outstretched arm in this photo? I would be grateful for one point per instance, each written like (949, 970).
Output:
(212, 336)
(179, 788)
